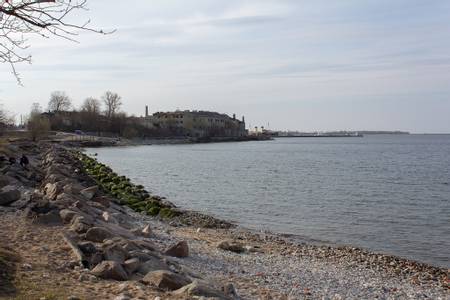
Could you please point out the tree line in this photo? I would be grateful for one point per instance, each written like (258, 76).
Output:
(102, 117)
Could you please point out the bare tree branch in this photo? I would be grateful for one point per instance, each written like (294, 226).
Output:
(46, 18)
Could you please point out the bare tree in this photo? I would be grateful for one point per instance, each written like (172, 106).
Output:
(112, 102)
(38, 126)
(59, 101)
(45, 18)
(6, 119)
(36, 109)
(91, 106)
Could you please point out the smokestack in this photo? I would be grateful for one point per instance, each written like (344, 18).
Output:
(243, 119)
(146, 111)
(234, 116)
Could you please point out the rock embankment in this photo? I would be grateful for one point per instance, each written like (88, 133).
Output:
(103, 238)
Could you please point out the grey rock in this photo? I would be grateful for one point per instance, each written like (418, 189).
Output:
(80, 224)
(153, 264)
(132, 265)
(98, 234)
(232, 246)
(115, 253)
(200, 289)
(180, 249)
(67, 215)
(8, 195)
(142, 256)
(89, 192)
(166, 280)
(110, 270)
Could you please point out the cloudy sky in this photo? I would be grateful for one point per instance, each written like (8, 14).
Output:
(306, 65)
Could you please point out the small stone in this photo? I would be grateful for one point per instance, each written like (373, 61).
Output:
(147, 232)
(180, 249)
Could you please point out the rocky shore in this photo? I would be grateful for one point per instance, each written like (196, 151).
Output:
(65, 236)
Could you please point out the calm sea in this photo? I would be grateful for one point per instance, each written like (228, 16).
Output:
(387, 193)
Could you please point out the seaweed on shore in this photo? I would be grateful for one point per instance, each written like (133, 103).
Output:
(121, 188)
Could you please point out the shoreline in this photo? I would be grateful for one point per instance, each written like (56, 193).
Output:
(293, 240)
(257, 265)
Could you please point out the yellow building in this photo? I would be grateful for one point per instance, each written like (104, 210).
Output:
(196, 123)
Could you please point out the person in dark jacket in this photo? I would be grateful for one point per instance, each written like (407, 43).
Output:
(24, 161)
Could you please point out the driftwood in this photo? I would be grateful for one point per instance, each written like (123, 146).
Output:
(71, 242)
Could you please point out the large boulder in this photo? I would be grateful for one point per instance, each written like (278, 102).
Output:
(166, 280)
(110, 270)
(180, 249)
(98, 234)
(200, 289)
(8, 195)
(232, 246)
(89, 192)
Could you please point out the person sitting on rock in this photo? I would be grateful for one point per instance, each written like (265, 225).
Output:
(24, 161)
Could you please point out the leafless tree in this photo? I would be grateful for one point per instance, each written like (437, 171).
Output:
(45, 18)
(91, 106)
(38, 126)
(36, 109)
(6, 119)
(59, 101)
(112, 103)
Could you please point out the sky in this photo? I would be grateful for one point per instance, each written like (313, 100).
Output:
(286, 64)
